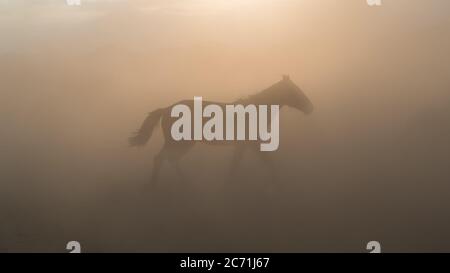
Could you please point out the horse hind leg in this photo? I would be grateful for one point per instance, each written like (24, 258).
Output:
(176, 164)
(172, 153)
(157, 164)
(176, 153)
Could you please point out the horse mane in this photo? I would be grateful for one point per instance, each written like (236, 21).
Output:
(264, 95)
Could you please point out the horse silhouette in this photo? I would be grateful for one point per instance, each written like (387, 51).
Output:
(283, 93)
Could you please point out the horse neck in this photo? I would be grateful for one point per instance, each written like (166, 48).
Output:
(265, 97)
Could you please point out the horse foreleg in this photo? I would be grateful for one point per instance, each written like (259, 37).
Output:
(236, 160)
(269, 162)
(180, 173)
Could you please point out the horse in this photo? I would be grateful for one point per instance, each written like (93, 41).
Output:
(283, 93)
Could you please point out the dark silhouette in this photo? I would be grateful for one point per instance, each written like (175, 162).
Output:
(282, 93)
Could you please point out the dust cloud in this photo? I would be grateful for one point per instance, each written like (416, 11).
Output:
(371, 163)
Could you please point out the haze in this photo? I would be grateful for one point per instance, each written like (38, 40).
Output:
(369, 164)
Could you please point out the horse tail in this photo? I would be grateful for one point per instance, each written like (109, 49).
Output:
(144, 133)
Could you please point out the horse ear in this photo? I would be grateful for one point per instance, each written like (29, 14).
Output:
(285, 77)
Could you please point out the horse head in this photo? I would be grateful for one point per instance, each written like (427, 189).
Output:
(289, 94)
